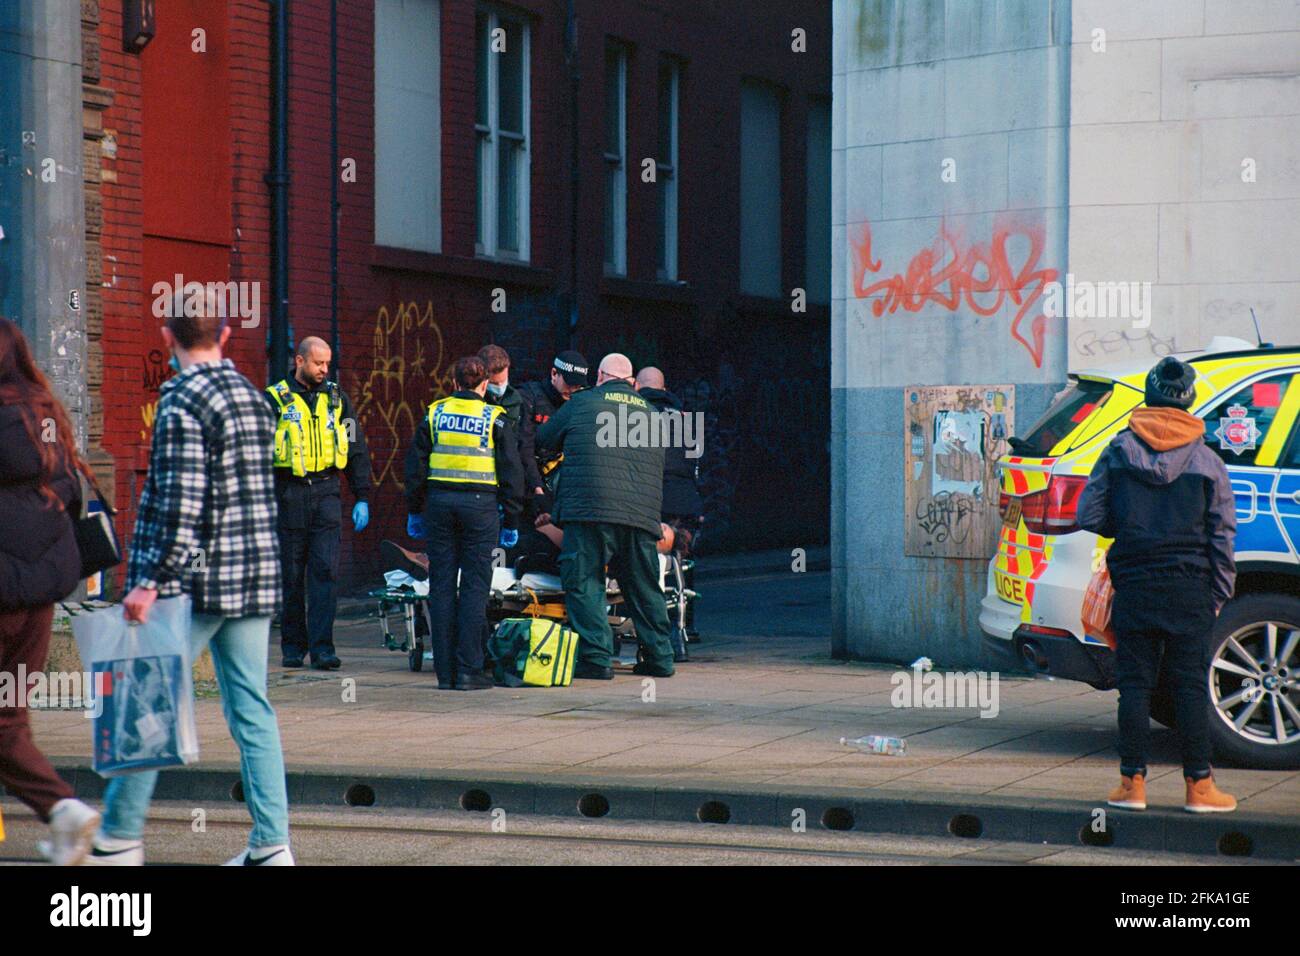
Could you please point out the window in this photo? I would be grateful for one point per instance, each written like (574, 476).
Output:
(1237, 426)
(1290, 458)
(666, 169)
(760, 189)
(817, 224)
(615, 159)
(501, 124)
(1070, 409)
(408, 125)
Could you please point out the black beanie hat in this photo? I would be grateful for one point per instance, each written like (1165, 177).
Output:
(1171, 384)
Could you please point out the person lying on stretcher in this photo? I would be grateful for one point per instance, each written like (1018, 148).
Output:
(555, 535)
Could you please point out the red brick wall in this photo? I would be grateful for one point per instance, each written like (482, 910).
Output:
(760, 373)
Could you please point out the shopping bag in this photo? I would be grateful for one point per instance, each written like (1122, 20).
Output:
(1098, 600)
(143, 687)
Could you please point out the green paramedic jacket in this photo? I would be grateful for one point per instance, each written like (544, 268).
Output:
(605, 476)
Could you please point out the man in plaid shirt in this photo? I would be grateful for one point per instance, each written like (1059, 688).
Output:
(206, 527)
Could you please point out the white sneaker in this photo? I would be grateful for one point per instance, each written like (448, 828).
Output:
(278, 855)
(106, 851)
(72, 827)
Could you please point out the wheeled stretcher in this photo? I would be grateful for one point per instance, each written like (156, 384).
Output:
(403, 609)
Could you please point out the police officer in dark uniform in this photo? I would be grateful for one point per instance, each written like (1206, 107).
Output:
(608, 503)
(463, 465)
(541, 400)
(316, 441)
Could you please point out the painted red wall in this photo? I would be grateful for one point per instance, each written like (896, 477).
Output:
(184, 193)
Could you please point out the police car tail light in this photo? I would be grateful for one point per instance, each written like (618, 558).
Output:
(1055, 509)
(1004, 502)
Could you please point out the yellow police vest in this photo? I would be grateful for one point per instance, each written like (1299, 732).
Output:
(305, 441)
(464, 443)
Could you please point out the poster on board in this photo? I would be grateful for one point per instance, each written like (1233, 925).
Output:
(954, 436)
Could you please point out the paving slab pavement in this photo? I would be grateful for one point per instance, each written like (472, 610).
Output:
(760, 705)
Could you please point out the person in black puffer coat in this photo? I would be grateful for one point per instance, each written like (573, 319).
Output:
(683, 507)
(39, 565)
(682, 503)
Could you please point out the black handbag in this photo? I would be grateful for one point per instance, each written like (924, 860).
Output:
(96, 540)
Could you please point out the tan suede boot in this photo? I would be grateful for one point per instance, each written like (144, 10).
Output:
(1131, 794)
(1204, 797)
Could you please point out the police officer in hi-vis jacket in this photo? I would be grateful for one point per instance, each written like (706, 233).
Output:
(463, 465)
(316, 441)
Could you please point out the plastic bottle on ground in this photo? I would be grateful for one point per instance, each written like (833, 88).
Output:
(876, 744)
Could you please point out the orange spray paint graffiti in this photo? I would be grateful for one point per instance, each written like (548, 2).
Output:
(409, 368)
(950, 273)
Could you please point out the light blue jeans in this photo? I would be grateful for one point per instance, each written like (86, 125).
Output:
(239, 647)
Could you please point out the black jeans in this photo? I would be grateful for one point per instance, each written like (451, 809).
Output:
(1170, 618)
(310, 526)
(462, 528)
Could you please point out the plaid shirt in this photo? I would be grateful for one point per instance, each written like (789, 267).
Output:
(207, 519)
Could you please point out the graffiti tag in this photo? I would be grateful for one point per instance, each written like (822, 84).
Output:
(950, 273)
(946, 516)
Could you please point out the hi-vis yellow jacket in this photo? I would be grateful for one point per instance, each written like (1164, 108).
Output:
(464, 443)
(309, 440)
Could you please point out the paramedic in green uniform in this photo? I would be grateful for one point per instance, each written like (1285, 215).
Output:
(607, 502)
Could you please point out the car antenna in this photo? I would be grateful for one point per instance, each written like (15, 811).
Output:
(1259, 338)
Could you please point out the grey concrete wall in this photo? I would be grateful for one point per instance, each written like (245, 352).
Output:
(949, 148)
(1171, 103)
(42, 257)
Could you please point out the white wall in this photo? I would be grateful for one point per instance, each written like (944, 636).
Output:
(1160, 124)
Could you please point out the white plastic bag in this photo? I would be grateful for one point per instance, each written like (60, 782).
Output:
(144, 689)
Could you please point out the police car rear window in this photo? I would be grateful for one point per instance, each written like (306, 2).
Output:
(1071, 409)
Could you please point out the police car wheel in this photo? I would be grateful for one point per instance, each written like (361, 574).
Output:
(1254, 682)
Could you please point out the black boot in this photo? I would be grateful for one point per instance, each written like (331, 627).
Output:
(473, 682)
(646, 669)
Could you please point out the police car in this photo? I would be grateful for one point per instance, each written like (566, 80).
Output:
(1249, 399)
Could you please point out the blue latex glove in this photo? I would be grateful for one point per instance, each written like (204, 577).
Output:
(509, 537)
(360, 516)
(415, 526)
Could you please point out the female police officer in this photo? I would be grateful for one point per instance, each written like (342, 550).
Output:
(463, 462)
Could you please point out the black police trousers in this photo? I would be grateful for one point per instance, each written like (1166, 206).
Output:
(310, 520)
(462, 528)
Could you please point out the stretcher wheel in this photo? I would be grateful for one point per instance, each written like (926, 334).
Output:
(416, 656)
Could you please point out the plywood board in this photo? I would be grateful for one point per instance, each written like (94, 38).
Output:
(953, 436)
